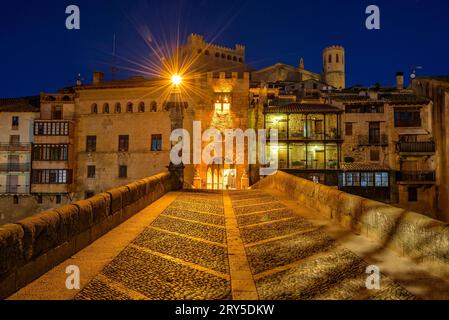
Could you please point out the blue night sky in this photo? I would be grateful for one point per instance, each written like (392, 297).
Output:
(37, 52)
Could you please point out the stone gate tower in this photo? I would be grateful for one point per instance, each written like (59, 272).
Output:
(334, 66)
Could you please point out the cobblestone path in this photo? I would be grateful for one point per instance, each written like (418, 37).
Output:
(184, 254)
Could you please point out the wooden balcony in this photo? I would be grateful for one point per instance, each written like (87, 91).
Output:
(427, 147)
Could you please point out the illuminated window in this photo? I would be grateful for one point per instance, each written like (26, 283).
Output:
(222, 104)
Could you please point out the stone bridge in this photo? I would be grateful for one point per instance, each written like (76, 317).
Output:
(286, 238)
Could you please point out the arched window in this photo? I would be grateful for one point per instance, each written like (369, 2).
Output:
(330, 58)
(234, 58)
(338, 58)
(153, 106)
(118, 108)
(223, 56)
(217, 55)
(142, 107)
(129, 107)
(240, 60)
(66, 98)
(199, 51)
(207, 52)
(229, 57)
(106, 108)
(94, 108)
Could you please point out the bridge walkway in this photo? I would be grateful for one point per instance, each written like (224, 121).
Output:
(241, 245)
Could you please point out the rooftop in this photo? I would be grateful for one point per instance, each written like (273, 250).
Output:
(303, 108)
(21, 104)
(364, 167)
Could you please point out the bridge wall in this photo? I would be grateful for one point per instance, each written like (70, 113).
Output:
(33, 246)
(421, 238)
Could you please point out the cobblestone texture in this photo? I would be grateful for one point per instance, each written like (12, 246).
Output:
(195, 216)
(273, 229)
(98, 290)
(158, 278)
(246, 220)
(204, 254)
(302, 266)
(210, 233)
(278, 253)
(259, 208)
(290, 259)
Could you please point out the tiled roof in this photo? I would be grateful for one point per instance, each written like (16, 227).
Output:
(403, 98)
(303, 108)
(24, 104)
(364, 167)
(349, 97)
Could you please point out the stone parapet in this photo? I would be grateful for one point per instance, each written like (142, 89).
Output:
(33, 246)
(413, 235)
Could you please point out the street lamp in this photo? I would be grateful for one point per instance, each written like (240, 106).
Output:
(176, 79)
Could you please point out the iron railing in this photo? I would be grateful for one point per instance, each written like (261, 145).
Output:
(424, 147)
(416, 176)
(15, 146)
(15, 167)
(15, 189)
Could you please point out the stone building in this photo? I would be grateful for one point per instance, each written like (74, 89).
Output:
(16, 137)
(437, 89)
(388, 148)
(375, 142)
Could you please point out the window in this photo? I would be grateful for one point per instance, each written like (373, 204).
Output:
(91, 143)
(374, 132)
(88, 194)
(58, 199)
(123, 172)
(156, 142)
(51, 129)
(412, 194)
(50, 152)
(50, 176)
(39, 199)
(106, 108)
(153, 106)
(15, 123)
(364, 108)
(348, 129)
(352, 179)
(142, 107)
(381, 179)
(91, 172)
(330, 58)
(129, 107)
(407, 117)
(94, 108)
(56, 112)
(222, 104)
(374, 155)
(337, 58)
(367, 179)
(118, 108)
(16, 200)
(14, 140)
(123, 143)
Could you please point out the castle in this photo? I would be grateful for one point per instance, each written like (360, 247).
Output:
(92, 137)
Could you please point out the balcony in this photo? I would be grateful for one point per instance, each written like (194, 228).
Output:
(427, 147)
(15, 167)
(366, 140)
(15, 146)
(14, 189)
(416, 177)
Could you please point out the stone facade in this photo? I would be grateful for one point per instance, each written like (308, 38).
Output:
(437, 89)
